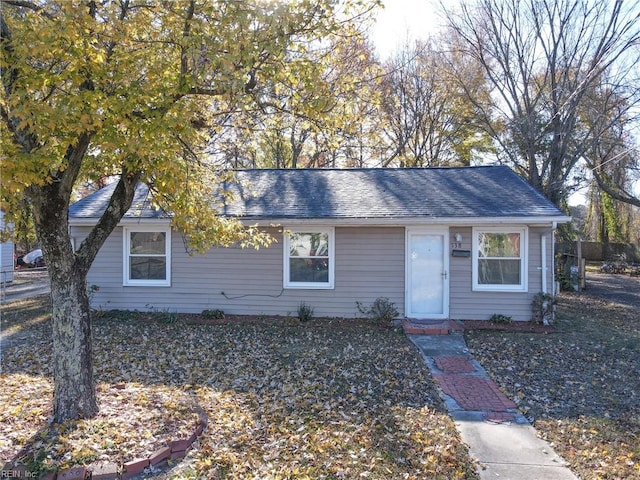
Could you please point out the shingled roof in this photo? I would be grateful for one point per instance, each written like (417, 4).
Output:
(93, 205)
(326, 194)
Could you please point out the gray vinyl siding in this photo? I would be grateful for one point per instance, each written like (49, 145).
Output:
(369, 264)
(6, 257)
(466, 304)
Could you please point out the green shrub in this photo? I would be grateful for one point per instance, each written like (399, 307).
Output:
(543, 308)
(215, 314)
(305, 312)
(500, 318)
(169, 316)
(382, 310)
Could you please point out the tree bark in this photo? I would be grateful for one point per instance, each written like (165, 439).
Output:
(614, 191)
(74, 391)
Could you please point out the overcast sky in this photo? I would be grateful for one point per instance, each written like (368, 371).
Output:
(402, 20)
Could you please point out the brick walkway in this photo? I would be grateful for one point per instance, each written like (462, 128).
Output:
(454, 364)
(475, 393)
(466, 383)
(461, 381)
(500, 438)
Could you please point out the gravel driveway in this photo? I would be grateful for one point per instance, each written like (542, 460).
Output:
(26, 283)
(617, 288)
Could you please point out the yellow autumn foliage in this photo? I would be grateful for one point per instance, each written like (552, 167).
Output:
(93, 90)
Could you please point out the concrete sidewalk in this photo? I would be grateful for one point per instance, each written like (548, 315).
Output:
(500, 439)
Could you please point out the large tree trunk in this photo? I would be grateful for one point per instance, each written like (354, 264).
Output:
(74, 393)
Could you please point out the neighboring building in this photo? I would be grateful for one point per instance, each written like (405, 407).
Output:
(460, 243)
(7, 264)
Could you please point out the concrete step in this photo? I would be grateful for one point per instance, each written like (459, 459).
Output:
(430, 327)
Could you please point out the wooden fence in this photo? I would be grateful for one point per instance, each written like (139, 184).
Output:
(601, 252)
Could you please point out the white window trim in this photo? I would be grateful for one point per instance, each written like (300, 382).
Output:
(524, 259)
(309, 285)
(128, 282)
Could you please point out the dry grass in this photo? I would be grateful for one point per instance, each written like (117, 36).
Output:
(323, 399)
(580, 386)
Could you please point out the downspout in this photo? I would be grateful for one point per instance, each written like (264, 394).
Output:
(545, 270)
(543, 253)
(554, 226)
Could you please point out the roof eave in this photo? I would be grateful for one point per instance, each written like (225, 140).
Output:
(370, 221)
(404, 221)
(91, 221)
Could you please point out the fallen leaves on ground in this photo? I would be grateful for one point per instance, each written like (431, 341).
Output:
(580, 386)
(323, 399)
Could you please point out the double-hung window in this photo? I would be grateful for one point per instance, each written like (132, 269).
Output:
(309, 258)
(147, 256)
(499, 259)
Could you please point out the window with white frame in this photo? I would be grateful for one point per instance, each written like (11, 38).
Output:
(500, 259)
(309, 258)
(147, 256)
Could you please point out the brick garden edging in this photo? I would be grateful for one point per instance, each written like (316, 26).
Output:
(175, 450)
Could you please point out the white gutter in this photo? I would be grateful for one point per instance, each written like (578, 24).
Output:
(90, 222)
(411, 221)
(357, 222)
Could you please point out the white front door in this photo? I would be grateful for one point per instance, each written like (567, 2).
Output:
(427, 265)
